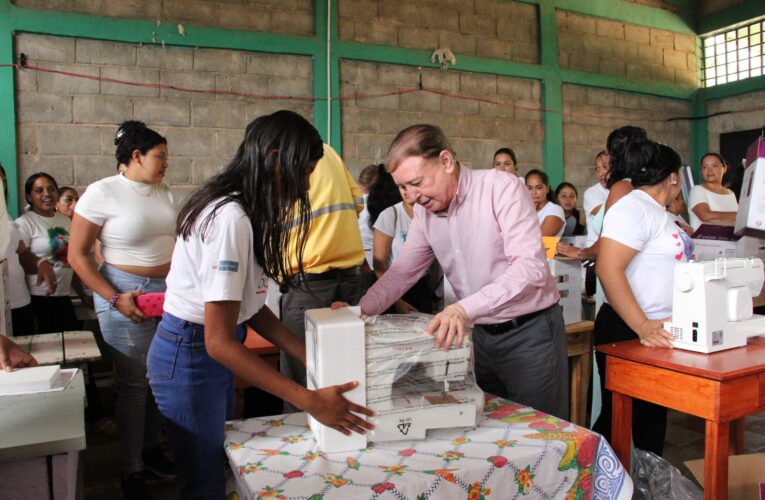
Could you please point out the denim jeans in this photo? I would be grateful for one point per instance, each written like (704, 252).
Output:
(195, 395)
(127, 342)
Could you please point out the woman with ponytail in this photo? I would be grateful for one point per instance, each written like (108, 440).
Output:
(639, 247)
(132, 215)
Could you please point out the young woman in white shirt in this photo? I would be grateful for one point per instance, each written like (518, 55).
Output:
(232, 235)
(639, 247)
(45, 233)
(551, 216)
(132, 214)
(711, 201)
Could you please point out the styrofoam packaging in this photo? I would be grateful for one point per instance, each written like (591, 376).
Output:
(568, 278)
(37, 378)
(335, 354)
(409, 384)
(43, 423)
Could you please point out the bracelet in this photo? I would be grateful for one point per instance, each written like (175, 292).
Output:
(579, 253)
(41, 260)
(114, 300)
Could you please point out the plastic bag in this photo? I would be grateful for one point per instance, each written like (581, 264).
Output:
(656, 478)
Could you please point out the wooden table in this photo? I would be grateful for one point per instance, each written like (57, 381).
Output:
(721, 388)
(579, 338)
(64, 348)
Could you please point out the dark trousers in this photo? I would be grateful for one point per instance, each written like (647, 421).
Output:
(528, 364)
(23, 320)
(295, 302)
(54, 314)
(649, 421)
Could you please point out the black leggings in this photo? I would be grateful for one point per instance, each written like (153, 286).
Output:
(649, 421)
(54, 314)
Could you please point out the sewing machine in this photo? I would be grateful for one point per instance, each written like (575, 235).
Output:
(410, 385)
(712, 304)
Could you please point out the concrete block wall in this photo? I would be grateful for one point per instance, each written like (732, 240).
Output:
(66, 125)
(487, 28)
(746, 114)
(274, 16)
(590, 114)
(476, 129)
(609, 47)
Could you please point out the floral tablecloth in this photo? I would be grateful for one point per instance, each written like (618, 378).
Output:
(516, 452)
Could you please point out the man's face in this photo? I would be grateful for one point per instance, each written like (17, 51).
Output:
(431, 183)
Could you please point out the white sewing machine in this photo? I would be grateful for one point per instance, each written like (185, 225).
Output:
(712, 304)
(410, 385)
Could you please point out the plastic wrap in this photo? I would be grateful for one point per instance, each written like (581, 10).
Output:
(405, 372)
(655, 478)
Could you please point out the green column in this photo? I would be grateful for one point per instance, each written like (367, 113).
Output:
(8, 108)
(552, 98)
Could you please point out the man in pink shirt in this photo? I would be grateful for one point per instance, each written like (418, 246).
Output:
(482, 228)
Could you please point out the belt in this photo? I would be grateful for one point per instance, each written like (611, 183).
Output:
(500, 328)
(332, 274)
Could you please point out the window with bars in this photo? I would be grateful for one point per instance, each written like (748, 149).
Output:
(733, 55)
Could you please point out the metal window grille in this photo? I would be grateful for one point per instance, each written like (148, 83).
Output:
(734, 54)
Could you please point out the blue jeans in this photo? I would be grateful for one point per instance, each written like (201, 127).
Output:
(195, 394)
(127, 342)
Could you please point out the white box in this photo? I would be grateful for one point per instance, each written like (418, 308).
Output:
(43, 423)
(36, 378)
(750, 218)
(568, 278)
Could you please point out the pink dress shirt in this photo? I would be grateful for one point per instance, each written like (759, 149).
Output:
(489, 244)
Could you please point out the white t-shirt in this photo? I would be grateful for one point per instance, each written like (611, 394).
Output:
(551, 209)
(18, 293)
(48, 237)
(222, 267)
(366, 232)
(593, 196)
(137, 220)
(394, 222)
(716, 202)
(639, 222)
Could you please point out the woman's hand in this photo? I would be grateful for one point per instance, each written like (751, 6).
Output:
(329, 407)
(652, 333)
(338, 304)
(126, 306)
(12, 356)
(567, 250)
(449, 325)
(45, 274)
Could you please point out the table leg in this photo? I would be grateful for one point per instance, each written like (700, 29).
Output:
(621, 428)
(716, 460)
(737, 429)
(576, 391)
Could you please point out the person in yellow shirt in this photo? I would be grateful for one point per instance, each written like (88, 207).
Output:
(333, 253)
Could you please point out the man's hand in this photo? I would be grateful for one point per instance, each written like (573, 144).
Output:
(45, 274)
(447, 325)
(12, 357)
(652, 334)
(339, 305)
(329, 407)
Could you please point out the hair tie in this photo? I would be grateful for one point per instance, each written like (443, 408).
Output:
(120, 133)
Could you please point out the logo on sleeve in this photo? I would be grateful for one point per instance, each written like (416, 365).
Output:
(230, 266)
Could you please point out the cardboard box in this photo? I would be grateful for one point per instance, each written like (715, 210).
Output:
(746, 473)
(714, 241)
(750, 218)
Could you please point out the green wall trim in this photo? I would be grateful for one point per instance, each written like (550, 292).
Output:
(8, 153)
(630, 13)
(749, 9)
(732, 89)
(147, 32)
(699, 136)
(321, 117)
